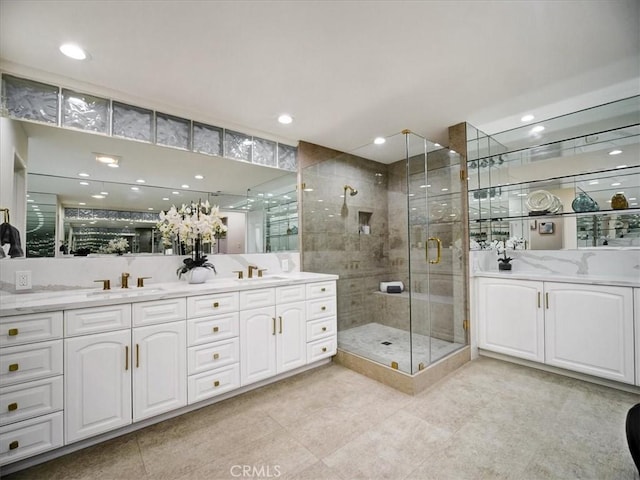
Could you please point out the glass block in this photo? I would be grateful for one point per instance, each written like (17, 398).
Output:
(207, 139)
(173, 131)
(30, 100)
(237, 145)
(132, 122)
(264, 152)
(85, 112)
(287, 157)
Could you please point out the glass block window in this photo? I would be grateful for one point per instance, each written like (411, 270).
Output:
(287, 157)
(207, 139)
(132, 122)
(30, 100)
(85, 112)
(173, 131)
(264, 152)
(237, 145)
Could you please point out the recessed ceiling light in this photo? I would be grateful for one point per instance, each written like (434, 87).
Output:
(166, 199)
(437, 145)
(97, 196)
(633, 198)
(113, 165)
(527, 118)
(140, 180)
(74, 51)
(379, 140)
(621, 166)
(634, 204)
(84, 183)
(30, 200)
(308, 189)
(537, 129)
(423, 186)
(104, 193)
(81, 203)
(176, 193)
(616, 184)
(106, 159)
(594, 182)
(199, 177)
(285, 119)
(150, 208)
(452, 151)
(445, 189)
(82, 174)
(615, 152)
(185, 186)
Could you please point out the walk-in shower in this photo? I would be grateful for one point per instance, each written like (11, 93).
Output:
(405, 226)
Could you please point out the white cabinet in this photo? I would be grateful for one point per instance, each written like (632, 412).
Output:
(30, 437)
(160, 369)
(579, 327)
(322, 341)
(97, 383)
(258, 332)
(511, 319)
(589, 329)
(291, 345)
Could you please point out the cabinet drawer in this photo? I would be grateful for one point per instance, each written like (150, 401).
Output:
(30, 362)
(317, 329)
(261, 297)
(215, 382)
(212, 329)
(290, 293)
(97, 319)
(213, 355)
(321, 289)
(204, 305)
(30, 437)
(321, 349)
(31, 399)
(35, 327)
(159, 311)
(321, 308)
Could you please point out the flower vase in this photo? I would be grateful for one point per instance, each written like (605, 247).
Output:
(198, 275)
(504, 266)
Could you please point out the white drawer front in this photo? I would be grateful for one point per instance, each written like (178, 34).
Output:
(321, 308)
(215, 382)
(31, 399)
(30, 362)
(213, 355)
(317, 329)
(34, 327)
(321, 349)
(321, 289)
(290, 293)
(159, 311)
(204, 305)
(30, 437)
(96, 319)
(261, 297)
(212, 329)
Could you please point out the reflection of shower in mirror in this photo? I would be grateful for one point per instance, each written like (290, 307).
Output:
(353, 191)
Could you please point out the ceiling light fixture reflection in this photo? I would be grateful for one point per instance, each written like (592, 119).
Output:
(527, 118)
(113, 165)
(107, 159)
(81, 203)
(97, 196)
(616, 184)
(185, 186)
(166, 199)
(83, 174)
(285, 119)
(537, 129)
(199, 177)
(379, 140)
(621, 166)
(176, 193)
(84, 183)
(615, 152)
(135, 189)
(74, 51)
(140, 180)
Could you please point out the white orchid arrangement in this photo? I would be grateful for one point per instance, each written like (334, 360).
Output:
(192, 224)
(117, 245)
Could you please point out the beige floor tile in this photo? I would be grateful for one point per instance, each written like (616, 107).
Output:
(317, 471)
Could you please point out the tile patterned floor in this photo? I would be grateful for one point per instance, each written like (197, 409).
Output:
(487, 420)
(367, 341)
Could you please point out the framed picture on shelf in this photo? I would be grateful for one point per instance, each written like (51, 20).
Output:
(545, 228)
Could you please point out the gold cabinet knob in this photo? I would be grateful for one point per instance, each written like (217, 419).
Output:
(324, 349)
(13, 367)
(216, 304)
(12, 406)
(215, 329)
(13, 332)
(324, 329)
(323, 289)
(216, 383)
(323, 308)
(13, 445)
(216, 356)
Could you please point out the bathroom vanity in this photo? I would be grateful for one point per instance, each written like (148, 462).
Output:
(83, 366)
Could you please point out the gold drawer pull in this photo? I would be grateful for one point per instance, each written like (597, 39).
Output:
(216, 383)
(13, 367)
(215, 329)
(323, 289)
(324, 349)
(126, 357)
(323, 308)
(12, 406)
(216, 356)
(216, 304)
(13, 332)
(13, 445)
(324, 329)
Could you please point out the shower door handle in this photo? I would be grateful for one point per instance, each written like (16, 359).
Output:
(439, 252)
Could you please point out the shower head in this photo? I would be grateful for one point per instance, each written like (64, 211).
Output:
(353, 191)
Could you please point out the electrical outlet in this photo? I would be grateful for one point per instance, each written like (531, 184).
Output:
(285, 265)
(23, 280)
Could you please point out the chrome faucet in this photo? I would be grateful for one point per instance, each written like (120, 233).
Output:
(251, 269)
(124, 280)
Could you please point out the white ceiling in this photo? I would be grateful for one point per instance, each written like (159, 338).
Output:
(346, 70)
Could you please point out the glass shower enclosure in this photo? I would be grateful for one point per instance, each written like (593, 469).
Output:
(388, 219)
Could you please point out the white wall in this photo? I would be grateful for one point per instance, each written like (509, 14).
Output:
(13, 152)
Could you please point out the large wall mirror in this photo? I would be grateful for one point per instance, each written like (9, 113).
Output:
(75, 203)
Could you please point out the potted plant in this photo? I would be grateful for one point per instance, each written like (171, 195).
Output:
(118, 246)
(194, 225)
(501, 247)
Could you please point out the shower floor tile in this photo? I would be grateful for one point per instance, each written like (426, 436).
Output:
(384, 344)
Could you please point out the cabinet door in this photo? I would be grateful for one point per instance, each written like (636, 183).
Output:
(159, 369)
(97, 377)
(511, 318)
(258, 329)
(589, 329)
(291, 350)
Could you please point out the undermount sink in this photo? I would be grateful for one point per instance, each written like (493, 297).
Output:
(124, 292)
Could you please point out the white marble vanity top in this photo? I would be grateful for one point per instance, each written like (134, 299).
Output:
(585, 279)
(23, 303)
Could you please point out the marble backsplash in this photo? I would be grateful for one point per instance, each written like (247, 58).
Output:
(49, 274)
(596, 263)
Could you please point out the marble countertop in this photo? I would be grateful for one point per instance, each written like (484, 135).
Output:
(23, 303)
(547, 277)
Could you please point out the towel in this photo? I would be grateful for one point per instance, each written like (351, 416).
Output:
(385, 285)
(9, 234)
